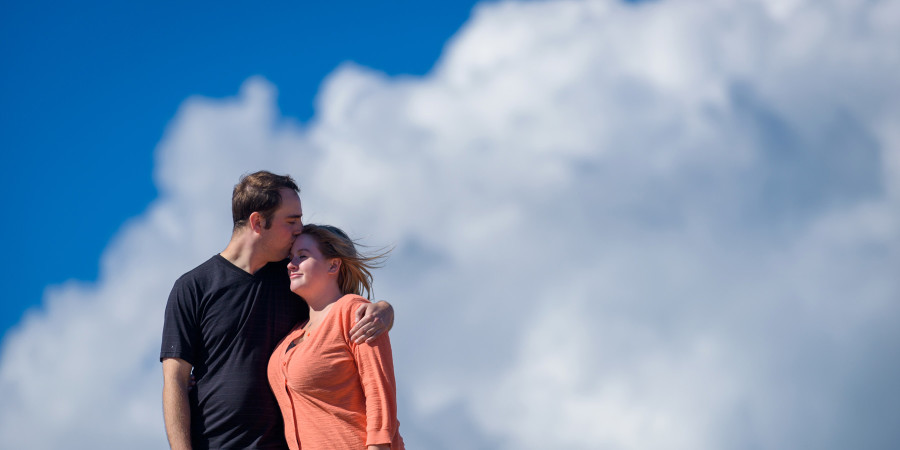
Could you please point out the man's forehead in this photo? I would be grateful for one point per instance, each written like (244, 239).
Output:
(289, 212)
(290, 203)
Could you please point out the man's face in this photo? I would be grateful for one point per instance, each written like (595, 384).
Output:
(286, 225)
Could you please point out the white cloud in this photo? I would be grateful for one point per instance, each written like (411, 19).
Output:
(665, 225)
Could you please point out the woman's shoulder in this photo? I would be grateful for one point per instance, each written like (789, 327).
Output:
(350, 302)
(345, 310)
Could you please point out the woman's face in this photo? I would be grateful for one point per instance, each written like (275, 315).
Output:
(308, 269)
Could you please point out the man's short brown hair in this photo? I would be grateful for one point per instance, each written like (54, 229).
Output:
(258, 192)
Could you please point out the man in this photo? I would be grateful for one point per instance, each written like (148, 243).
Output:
(225, 317)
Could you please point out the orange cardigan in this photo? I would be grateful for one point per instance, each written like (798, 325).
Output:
(334, 393)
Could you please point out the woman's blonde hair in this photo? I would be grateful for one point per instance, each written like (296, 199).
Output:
(355, 274)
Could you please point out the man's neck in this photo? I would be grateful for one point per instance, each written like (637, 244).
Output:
(241, 253)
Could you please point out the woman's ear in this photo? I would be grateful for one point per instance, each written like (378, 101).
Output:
(335, 266)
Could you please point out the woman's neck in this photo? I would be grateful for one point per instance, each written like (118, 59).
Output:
(319, 302)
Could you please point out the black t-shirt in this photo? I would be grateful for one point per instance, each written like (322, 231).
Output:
(226, 323)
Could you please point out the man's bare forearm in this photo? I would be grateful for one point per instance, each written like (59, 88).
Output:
(390, 324)
(176, 407)
(177, 414)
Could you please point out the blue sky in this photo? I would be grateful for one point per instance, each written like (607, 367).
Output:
(88, 88)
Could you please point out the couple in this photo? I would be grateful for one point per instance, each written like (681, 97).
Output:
(273, 370)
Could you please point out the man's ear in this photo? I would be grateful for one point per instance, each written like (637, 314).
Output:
(256, 222)
(335, 266)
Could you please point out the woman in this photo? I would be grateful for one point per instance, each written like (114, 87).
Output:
(333, 393)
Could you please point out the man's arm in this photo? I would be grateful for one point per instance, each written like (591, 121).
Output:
(176, 408)
(372, 319)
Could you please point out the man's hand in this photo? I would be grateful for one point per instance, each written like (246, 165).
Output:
(372, 319)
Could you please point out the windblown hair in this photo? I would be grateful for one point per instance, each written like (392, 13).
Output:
(258, 192)
(355, 274)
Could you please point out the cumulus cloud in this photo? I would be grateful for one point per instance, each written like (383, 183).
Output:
(667, 224)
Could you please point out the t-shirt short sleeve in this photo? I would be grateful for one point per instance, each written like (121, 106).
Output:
(180, 327)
